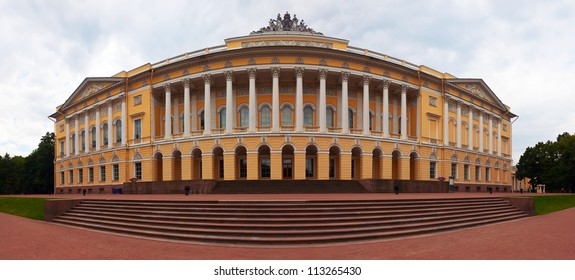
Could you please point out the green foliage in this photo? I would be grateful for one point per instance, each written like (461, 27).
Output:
(32, 174)
(548, 204)
(28, 207)
(550, 163)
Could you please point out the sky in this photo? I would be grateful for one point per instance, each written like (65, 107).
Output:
(523, 50)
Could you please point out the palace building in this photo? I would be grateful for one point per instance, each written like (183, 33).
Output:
(282, 103)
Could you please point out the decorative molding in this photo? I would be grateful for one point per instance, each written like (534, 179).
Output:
(299, 60)
(433, 101)
(275, 72)
(228, 64)
(345, 76)
(229, 75)
(207, 78)
(275, 60)
(345, 65)
(323, 62)
(299, 71)
(366, 79)
(252, 73)
(322, 74)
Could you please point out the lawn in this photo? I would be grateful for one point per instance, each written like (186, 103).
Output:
(28, 207)
(548, 204)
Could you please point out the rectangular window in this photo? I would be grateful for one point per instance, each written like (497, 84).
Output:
(102, 173)
(487, 174)
(477, 173)
(433, 131)
(466, 172)
(62, 180)
(221, 166)
(454, 170)
(80, 175)
(115, 172)
(432, 168)
(265, 168)
(61, 148)
(137, 128)
(309, 168)
(71, 177)
(243, 168)
(332, 168)
(138, 170)
(91, 174)
(287, 168)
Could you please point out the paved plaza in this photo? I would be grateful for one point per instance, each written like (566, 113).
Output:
(540, 237)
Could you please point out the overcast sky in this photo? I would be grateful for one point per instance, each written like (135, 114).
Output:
(524, 50)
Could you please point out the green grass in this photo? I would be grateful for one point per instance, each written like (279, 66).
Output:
(548, 204)
(28, 207)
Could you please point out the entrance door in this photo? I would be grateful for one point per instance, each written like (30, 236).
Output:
(287, 168)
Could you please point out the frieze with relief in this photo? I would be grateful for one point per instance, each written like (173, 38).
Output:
(296, 43)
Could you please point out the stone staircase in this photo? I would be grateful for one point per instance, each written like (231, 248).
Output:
(284, 223)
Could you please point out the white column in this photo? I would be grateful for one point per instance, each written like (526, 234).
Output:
(253, 111)
(186, 107)
(386, 108)
(168, 113)
(207, 105)
(377, 125)
(499, 137)
(76, 139)
(230, 110)
(480, 131)
(86, 132)
(275, 99)
(445, 120)
(470, 138)
(97, 128)
(299, 99)
(459, 124)
(404, 112)
(124, 123)
(366, 80)
(67, 141)
(490, 134)
(344, 103)
(322, 100)
(111, 138)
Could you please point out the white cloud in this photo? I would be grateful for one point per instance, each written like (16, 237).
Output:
(522, 49)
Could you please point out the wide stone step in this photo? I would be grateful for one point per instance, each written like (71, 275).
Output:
(280, 224)
(292, 239)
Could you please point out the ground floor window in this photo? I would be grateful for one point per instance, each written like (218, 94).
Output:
(138, 170)
(115, 172)
(265, 168)
(432, 169)
(102, 173)
(309, 168)
(62, 178)
(80, 175)
(287, 168)
(477, 173)
(332, 168)
(454, 170)
(90, 174)
(71, 178)
(466, 172)
(221, 168)
(243, 168)
(487, 174)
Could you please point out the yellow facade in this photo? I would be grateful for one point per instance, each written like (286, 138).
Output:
(436, 124)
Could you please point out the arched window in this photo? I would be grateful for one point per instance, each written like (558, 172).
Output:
(244, 117)
(73, 138)
(118, 131)
(105, 133)
(265, 116)
(223, 118)
(308, 116)
(329, 118)
(83, 139)
(350, 118)
(287, 116)
(93, 132)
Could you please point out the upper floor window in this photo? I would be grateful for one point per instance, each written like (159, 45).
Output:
(93, 136)
(308, 116)
(350, 118)
(287, 115)
(118, 131)
(105, 133)
(137, 128)
(265, 116)
(329, 118)
(244, 117)
(83, 139)
(223, 118)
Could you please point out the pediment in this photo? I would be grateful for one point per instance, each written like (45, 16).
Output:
(479, 89)
(89, 87)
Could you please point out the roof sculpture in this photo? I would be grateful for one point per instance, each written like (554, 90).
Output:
(286, 24)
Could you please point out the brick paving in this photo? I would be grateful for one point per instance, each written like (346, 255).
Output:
(542, 237)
